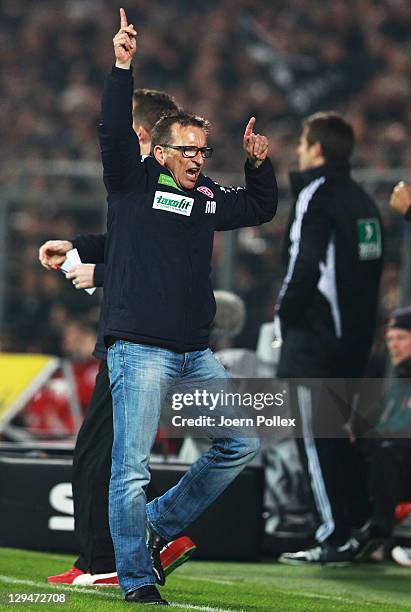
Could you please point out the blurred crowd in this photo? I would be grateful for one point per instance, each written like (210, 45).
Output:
(226, 59)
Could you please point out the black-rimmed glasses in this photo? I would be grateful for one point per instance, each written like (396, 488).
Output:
(190, 151)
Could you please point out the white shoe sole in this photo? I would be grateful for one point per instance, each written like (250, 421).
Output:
(299, 562)
(402, 557)
(92, 580)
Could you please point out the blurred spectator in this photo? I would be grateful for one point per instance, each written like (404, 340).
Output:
(226, 60)
(78, 342)
(50, 413)
(389, 454)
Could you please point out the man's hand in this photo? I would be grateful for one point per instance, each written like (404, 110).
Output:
(53, 253)
(82, 276)
(401, 198)
(255, 145)
(124, 42)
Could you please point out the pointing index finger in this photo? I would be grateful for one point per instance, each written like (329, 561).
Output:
(123, 18)
(249, 128)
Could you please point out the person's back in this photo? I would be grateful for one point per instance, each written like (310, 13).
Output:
(327, 310)
(329, 296)
(357, 244)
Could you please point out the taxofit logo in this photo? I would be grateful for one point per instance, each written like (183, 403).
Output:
(173, 203)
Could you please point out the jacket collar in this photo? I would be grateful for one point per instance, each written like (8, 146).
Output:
(299, 179)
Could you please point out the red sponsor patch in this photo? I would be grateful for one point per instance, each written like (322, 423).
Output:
(207, 192)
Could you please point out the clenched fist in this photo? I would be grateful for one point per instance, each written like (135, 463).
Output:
(53, 253)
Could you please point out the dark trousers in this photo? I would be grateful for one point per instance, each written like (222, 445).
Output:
(91, 477)
(335, 467)
(390, 478)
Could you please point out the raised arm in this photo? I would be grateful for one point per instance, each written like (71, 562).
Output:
(257, 202)
(120, 149)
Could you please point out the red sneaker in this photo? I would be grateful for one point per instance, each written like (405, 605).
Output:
(402, 511)
(77, 577)
(67, 577)
(175, 553)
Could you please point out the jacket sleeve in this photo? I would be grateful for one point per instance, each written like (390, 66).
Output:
(119, 145)
(254, 204)
(307, 251)
(98, 278)
(90, 247)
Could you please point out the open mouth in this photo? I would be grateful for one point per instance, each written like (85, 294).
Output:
(193, 173)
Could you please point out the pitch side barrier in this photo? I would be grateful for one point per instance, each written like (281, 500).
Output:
(36, 505)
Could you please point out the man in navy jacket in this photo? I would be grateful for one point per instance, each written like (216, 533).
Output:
(95, 565)
(159, 305)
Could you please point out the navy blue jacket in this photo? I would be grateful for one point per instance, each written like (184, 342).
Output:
(157, 287)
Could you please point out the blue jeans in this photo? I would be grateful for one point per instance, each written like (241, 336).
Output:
(137, 372)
